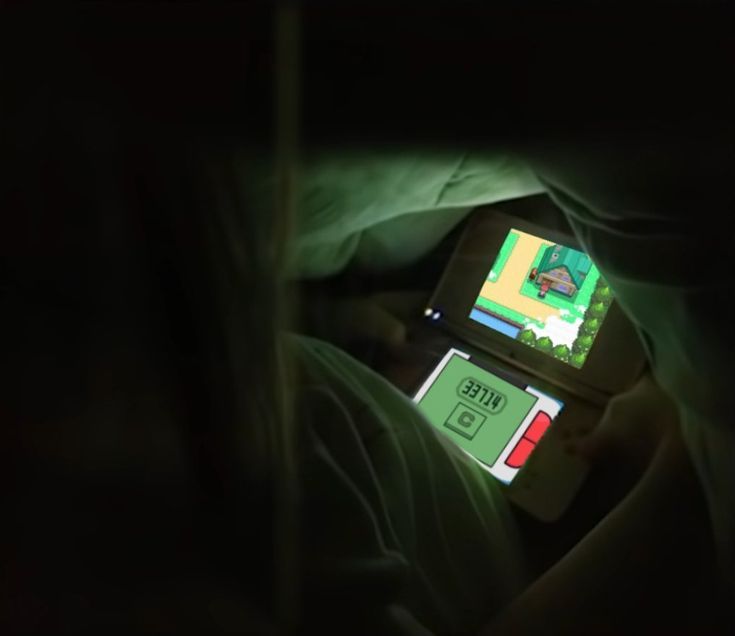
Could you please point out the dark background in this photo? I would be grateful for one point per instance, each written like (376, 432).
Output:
(454, 73)
(518, 75)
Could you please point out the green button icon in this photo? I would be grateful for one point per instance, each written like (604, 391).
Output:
(465, 421)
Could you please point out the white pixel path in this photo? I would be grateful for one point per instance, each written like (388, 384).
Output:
(560, 331)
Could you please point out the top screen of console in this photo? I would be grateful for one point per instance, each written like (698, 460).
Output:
(548, 296)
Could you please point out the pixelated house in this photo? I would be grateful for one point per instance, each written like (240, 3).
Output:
(561, 270)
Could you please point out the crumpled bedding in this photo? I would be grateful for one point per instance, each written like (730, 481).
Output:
(644, 223)
(382, 210)
(640, 222)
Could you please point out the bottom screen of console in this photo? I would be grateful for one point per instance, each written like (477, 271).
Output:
(493, 417)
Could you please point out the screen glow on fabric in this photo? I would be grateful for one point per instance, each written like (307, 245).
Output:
(548, 296)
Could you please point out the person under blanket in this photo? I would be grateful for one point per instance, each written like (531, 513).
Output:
(193, 467)
(177, 459)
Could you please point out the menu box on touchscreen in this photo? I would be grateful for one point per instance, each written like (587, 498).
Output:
(492, 416)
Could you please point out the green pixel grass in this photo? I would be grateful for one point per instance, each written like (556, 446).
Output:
(503, 255)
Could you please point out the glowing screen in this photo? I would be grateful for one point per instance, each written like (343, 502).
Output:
(497, 420)
(547, 296)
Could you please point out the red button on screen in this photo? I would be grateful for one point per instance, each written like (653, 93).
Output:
(538, 427)
(520, 453)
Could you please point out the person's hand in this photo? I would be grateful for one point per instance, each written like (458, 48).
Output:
(367, 319)
(375, 320)
(633, 427)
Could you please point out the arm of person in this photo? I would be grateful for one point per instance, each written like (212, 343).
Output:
(643, 545)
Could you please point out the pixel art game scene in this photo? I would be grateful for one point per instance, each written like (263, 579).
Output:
(547, 296)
